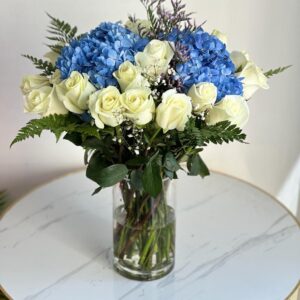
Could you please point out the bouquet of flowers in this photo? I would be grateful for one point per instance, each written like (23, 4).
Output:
(142, 98)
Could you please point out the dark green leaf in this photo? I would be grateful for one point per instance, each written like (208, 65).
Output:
(136, 178)
(93, 143)
(97, 190)
(87, 130)
(111, 175)
(152, 181)
(108, 130)
(137, 161)
(196, 166)
(96, 164)
(99, 171)
(74, 137)
(170, 162)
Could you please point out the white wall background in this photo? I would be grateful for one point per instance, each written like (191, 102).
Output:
(268, 29)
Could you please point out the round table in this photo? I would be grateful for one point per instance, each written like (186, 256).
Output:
(233, 242)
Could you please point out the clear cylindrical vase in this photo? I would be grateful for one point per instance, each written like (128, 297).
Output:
(143, 231)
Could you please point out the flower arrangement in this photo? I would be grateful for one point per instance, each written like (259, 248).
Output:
(142, 98)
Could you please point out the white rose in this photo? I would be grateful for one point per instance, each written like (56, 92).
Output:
(129, 76)
(138, 105)
(32, 82)
(138, 24)
(155, 58)
(44, 101)
(105, 107)
(253, 76)
(253, 79)
(231, 108)
(174, 111)
(203, 95)
(221, 36)
(75, 91)
(240, 59)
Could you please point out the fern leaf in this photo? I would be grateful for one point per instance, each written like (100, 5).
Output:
(56, 48)
(57, 124)
(47, 67)
(223, 132)
(273, 72)
(61, 30)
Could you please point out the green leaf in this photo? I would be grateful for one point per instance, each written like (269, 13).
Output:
(102, 174)
(137, 161)
(222, 132)
(57, 124)
(74, 137)
(170, 162)
(95, 165)
(87, 130)
(61, 31)
(46, 66)
(273, 72)
(136, 179)
(157, 158)
(152, 181)
(93, 143)
(196, 166)
(111, 175)
(97, 190)
(56, 48)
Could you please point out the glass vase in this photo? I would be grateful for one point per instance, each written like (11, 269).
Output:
(143, 231)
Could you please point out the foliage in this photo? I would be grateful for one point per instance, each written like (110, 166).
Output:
(57, 124)
(152, 181)
(279, 70)
(145, 155)
(46, 66)
(61, 31)
(102, 173)
(223, 132)
(196, 166)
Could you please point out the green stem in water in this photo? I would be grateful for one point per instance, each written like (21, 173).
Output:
(147, 247)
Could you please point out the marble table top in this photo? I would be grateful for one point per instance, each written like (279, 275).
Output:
(233, 242)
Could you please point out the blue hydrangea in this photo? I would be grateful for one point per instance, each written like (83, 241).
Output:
(100, 53)
(209, 61)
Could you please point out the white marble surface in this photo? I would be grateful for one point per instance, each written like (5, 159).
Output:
(233, 242)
